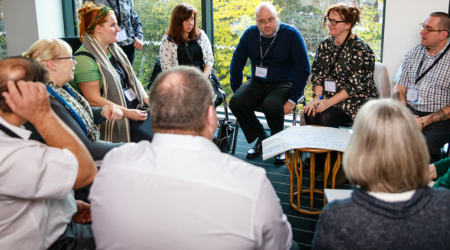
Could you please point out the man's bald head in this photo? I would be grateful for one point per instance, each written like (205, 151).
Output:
(265, 5)
(179, 100)
(19, 68)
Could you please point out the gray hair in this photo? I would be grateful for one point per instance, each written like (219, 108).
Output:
(266, 5)
(181, 105)
(387, 151)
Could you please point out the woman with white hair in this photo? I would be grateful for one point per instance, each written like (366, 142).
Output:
(391, 207)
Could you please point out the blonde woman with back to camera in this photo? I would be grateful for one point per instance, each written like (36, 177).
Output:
(391, 207)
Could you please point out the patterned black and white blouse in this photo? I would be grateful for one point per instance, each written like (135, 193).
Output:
(353, 72)
(169, 56)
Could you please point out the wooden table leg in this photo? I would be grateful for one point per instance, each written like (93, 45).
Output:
(337, 164)
(299, 175)
(312, 181)
(326, 174)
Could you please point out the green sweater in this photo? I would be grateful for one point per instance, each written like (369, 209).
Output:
(443, 173)
(86, 70)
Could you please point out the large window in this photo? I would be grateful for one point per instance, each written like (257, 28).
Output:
(155, 19)
(233, 17)
(3, 48)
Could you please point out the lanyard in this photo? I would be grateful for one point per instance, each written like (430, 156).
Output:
(8, 131)
(260, 48)
(418, 78)
(74, 114)
(339, 53)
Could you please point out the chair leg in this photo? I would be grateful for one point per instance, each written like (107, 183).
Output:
(294, 115)
(236, 131)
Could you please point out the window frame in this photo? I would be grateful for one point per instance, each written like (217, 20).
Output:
(68, 7)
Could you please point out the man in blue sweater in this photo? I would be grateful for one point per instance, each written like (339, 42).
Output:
(279, 72)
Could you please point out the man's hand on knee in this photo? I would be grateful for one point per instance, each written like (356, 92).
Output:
(288, 107)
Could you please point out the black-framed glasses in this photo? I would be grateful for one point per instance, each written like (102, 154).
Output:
(71, 57)
(263, 22)
(428, 30)
(334, 22)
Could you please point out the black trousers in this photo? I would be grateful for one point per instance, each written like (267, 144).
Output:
(76, 237)
(130, 52)
(436, 135)
(139, 130)
(271, 96)
(331, 117)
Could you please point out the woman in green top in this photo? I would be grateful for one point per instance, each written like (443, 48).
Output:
(105, 76)
(342, 71)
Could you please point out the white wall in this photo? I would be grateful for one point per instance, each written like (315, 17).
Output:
(27, 21)
(401, 32)
(49, 18)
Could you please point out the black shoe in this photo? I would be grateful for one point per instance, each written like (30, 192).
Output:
(280, 159)
(256, 151)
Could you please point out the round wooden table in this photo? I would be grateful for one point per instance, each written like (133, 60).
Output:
(295, 167)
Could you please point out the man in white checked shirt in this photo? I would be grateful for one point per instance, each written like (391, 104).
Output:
(423, 82)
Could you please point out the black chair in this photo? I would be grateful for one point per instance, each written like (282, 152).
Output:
(301, 100)
(74, 43)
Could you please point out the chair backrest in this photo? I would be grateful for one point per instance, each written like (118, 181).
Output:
(382, 80)
(74, 43)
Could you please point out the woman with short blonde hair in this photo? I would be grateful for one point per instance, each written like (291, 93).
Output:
(391, 207)
(387, 152)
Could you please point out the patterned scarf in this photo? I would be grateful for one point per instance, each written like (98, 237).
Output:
(113, 131)
(77, 106)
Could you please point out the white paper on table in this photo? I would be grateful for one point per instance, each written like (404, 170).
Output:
(337, 194)
(121, 35)
(305, 137)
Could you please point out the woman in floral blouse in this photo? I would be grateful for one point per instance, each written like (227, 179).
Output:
(342, 71)
(184, 43)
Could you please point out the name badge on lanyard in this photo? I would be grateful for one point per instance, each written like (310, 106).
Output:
(121, 35)
(411, 95)
(129, 94)
(261, 72)
(330, 86)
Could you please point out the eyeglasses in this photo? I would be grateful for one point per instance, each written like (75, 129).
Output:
(428, 30)
(71, 57)
(264, 22)
(334, 22)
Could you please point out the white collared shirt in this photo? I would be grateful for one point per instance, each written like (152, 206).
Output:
(36, 202)
(181, 192)
(274, 34)
(393, 197)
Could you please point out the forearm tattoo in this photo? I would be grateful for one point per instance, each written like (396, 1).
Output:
(396, 95)
(440, 115)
